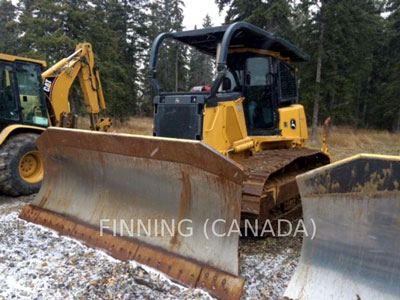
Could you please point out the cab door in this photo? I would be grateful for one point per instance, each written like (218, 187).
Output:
(261, 108)
(9, 108)
(31, 95)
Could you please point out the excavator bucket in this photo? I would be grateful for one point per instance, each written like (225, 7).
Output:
(352, 218)
(162, 202)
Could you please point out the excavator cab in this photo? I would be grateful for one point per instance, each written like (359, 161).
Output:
(21, 98)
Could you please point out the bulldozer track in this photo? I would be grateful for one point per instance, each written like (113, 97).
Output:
(269, 186)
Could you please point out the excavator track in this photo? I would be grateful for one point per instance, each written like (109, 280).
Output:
(269, 188)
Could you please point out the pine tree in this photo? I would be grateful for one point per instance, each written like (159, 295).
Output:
(357, 52)
(272, 15)
(389, 108)
(44, 33)
(208, 64)
(8, 27)
(351, 37)
(167, 16)
(201, 66)
(53, 28)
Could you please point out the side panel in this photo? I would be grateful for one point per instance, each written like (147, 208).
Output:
(293, 123)
(224, 125)
(354, 207)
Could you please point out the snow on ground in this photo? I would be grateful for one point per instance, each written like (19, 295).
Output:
(267, 265)
(37, 263)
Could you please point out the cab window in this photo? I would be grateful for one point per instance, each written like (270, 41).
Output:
(288, 83)
(8, 106)
(259, 90)
(31, 94)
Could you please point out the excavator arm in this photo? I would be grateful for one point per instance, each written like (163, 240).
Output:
(57, 82)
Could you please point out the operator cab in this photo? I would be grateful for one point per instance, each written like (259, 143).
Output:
(251, 64)
(21, 96)
(266, 83)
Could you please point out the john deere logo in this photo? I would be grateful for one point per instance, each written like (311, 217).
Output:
(293, 124)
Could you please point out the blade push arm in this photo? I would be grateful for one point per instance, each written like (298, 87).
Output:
(57, 82)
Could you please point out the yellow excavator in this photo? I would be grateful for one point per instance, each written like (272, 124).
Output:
(220, 157)
(30, 101)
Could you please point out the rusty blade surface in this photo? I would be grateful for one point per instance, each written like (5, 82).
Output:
(162, 192)
(355, 206)
(190, 273)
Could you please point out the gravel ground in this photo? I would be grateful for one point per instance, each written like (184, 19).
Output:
(37, 263)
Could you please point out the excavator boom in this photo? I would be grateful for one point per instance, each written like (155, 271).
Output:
(58, 79)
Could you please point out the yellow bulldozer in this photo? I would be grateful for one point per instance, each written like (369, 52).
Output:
(31, 100)
(220, 157)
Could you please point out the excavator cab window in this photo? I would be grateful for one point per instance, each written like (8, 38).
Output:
(30, 94)
(8, 106)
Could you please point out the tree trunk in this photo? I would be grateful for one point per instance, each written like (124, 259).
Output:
(398, 123)
(359, 103)
(317, 95)
(364, 113)
(332, 102)
(176, 70)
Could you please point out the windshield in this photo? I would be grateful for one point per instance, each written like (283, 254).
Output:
(31, 94)
(8, 107)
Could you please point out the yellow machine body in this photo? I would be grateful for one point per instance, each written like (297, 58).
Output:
(225, 129)
(14, 58)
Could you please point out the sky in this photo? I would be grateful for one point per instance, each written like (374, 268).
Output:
(195, 11)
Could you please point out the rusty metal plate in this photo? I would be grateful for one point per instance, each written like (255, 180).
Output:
(221, 285)
(179, 269)
(131, 183)
(179, 186)
(355, 206)
(29, 213)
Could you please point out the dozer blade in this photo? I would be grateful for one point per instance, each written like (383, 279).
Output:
(354, 205)
(124, 193)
